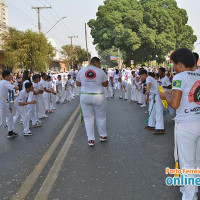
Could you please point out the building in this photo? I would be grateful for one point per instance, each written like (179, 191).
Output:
(4, 22)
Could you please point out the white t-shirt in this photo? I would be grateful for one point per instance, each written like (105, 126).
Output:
(73, 83)
(42, 84)
(116, 75)
(138, 84)
(68, 83)
(59, 84)
(4, 87)
(72, 73)
(133, 79)
(31, 96)
(91, 79)
(154, 86)
(49, 85)
(23, 97)
(189, 83)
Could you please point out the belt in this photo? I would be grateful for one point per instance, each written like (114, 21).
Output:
(93, 93)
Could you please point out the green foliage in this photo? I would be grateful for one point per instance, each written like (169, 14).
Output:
(105, 56)
(144, 29)
(27, 49)
(74, 53)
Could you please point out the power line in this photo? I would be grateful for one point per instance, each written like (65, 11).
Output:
(30, 18)
(57, 15)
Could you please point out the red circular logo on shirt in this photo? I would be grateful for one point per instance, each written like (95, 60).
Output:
(90, 74)
(194, 94)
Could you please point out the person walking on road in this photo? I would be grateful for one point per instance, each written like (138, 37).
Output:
(92, 79)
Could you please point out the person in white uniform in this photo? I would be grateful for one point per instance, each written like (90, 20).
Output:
(92, 79)
(59, 96)
(20, 103)
(68, 88)
(156, 120)
(110, 88)
(5, 108)
(185, 98)
(133, 87)
(34, 108)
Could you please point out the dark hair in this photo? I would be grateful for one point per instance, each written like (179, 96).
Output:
(143, 71)
(94, 59)
(35, 77)
(69, 75)
(157, 74)
(43, 74)
(162, 69)
(117, 71)
(48, 77)
(5, 73)
(132, 72)
(59, 76)
(184, 56)
(28, 85)
(196, 56)
(26, 76)
(151, 74)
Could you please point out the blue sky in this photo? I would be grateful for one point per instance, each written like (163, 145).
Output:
(78, 12)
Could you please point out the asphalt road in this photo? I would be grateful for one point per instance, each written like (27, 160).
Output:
(130, 166)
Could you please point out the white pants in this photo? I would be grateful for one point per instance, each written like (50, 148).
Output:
(33, 112)
(77, 91)
(116, 85)
(5, 112)
(188, 135)
(59, 97)
(124, 94)
(133, 94)
(94, 106)
(21, 112)
(143, 99)
(111, 93)
(41, 106)
(47, 97)
(67, 94)
(139, 97)
(156, 115)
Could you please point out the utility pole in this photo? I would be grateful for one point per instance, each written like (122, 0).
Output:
(86, 43)
(38, 11)
(72, 37)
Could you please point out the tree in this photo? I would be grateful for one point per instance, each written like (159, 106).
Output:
(28, 49)
(105, 56)
(144, 30)
(74, 54)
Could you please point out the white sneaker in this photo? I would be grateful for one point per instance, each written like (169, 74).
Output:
(28, 134)
(45, 116)
(143, 105)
